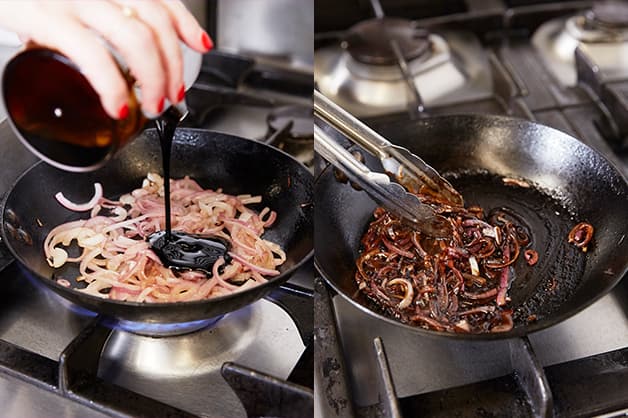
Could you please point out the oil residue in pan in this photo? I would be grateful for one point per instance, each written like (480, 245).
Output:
(536, 291)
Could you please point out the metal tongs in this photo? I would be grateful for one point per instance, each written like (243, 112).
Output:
(406, 168)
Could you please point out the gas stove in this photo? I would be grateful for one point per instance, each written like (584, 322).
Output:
(600, 33)
(364, 367)
(59, 360)
(270, 103)
(362, 74)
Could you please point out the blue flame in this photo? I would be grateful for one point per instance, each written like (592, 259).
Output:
(151, 329)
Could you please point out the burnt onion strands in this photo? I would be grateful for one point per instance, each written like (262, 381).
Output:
(117, 262)
(456, 285)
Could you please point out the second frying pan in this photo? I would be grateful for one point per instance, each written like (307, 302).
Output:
(215, 160)
(475, 152)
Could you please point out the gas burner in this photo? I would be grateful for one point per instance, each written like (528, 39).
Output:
(291, 128)
(361, 73)
(301, 118)
(601, 34)
(610, 14)
(174, 369)
(369, 42)
(588, 29)
(161, 330)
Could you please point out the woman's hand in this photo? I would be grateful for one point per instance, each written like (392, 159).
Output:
(146, 33)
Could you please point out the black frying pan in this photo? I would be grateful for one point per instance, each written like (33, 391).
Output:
(474, 152)
(215, 160)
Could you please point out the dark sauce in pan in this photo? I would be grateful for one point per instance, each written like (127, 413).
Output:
(179, 250)
(183, 251)
(541, 290)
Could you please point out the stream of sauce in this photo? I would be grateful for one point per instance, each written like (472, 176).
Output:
(176, 249)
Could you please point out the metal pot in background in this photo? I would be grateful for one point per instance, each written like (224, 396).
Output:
(280, 31)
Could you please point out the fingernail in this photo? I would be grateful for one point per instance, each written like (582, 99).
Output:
(181, 93)
(207, 42)
(160, 105)
(123, 112)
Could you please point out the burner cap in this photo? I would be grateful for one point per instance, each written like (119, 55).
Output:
(369, 41)
(301, 117)
(160, 330)
(613, 14)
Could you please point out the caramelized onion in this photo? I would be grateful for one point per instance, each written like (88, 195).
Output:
(456, 284)
(581, 235)
(531, 256)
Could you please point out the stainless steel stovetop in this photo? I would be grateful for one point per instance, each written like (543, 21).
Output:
(57, 359)
(379, 370)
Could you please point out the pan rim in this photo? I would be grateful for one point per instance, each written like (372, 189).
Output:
(504, 119)
(517, 332)
(277, 280)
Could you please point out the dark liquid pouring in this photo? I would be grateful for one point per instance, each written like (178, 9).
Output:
(180, 250)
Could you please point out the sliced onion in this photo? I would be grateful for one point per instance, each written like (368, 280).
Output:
(248, 199)
(463, 325)
(475, 269)
(509, 181)
(81, 207)
(409, 291)
(92, 241)
(64, 282)
(121, 214)
(58, 257)
(127, 199)
(116, 257)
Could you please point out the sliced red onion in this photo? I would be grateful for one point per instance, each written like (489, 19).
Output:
(58, 257)
(63, 282)
(81, 207)
(409, 291)
(475, 269)
(479, 296)
(463, 325)
(503, 286)
(509, 181)
(115, 256)
(506, 326)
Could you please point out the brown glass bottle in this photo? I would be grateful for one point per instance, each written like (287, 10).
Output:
(58, 114)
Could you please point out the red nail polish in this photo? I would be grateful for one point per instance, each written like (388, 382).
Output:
(160, 105)
(181, 93)
(207, 42)
(123, 112)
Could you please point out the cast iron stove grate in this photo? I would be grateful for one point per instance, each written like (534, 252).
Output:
(581, 388)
